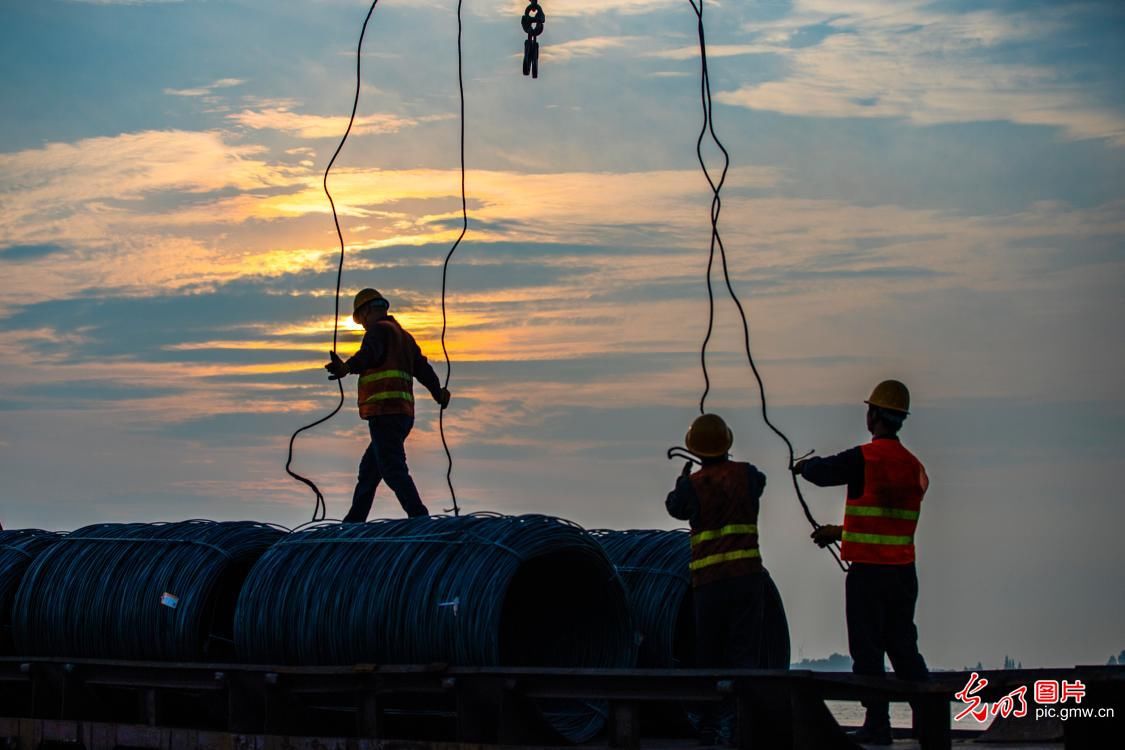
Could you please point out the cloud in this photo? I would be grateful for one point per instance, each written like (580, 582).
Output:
(916, 62)
(576, 205)
(801, 262)
(96, 198)
(575, 8)
(16, 253)
(210, 88)
(102, 199)
(322, 126)
(715, 51)
(92, 175)
(151, 211)
(594, 46)
(125, 2)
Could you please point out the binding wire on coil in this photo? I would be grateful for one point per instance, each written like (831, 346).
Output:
(708, 128)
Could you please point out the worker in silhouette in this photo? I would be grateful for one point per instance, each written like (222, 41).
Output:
(885, 484)
(387, 363)
(721, 501)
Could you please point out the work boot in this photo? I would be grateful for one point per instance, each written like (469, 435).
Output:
(871, 735)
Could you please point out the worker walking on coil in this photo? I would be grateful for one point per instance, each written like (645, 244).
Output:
(886, 483)
(387, 363)
(721, 502)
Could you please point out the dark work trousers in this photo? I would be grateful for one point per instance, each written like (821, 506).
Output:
(880, 607)
(385, 461)
(728, 632)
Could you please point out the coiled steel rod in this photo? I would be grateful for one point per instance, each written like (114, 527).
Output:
(654, 565)
(163, 591)
(475, 590)
(18, 547)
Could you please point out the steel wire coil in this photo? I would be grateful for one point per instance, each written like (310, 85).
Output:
(18, 547)
(161, 591)
(654, 565)
(474, 590)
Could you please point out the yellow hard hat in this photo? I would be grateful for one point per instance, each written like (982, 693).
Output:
(365, 296)
(709, 436)
(890, 394)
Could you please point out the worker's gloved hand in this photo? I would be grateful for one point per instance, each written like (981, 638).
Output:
(826, 535)
(336, 367)
(798, 466)
(443, 398)
(687, 469)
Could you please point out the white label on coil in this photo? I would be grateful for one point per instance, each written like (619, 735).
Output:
(455, 603)
(171, 601)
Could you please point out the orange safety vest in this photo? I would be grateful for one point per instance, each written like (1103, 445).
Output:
(724, 536)
(879, 524)
(389, 387)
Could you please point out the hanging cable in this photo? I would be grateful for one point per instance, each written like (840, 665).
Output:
(716, 202)
(320, 510)
(717, 242)
(445, 269)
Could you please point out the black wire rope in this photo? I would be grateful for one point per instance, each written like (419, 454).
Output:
(320, 510)
(473, 590)
(160, 592)
(716, 241)
(445, 268)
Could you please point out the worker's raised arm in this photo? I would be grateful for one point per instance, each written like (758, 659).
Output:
(682, 502)
(371, 351)
(832, 471)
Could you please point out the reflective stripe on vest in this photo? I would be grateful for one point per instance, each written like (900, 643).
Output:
(722, 557)
(871, 510)
(724, 539)
(389, 388)
(854, 536)
(880, 524)
(734, 528)
(383, 374)
(385, 395)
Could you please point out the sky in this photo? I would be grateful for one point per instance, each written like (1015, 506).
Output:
(929, 191)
